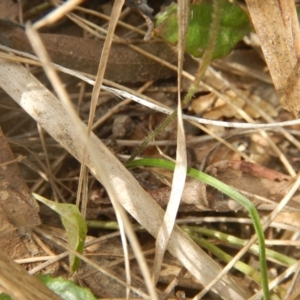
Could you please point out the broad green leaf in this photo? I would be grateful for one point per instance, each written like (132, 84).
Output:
(74, 224)
(66, 289)
(234, 25)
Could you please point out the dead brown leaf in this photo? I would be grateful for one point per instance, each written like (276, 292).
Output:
(16, 200)
(263, 186)
(83, 54)
(276, 24)
(18, 212)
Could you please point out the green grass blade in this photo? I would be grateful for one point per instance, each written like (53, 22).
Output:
(227, 190)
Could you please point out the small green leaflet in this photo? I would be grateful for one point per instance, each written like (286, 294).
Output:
(74, 224)
(234, 25)
(66, 289)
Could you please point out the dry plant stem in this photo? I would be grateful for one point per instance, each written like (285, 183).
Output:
(87, 26)
(173, 283)
(186, 75)
(234, 220)
(19, 59)
(146, 101)
(21, 285)
(37, 44)
(90, 262)
(295, 294)
(53, 116)
(246, 117)
(163, 62)
(47, 250)
(150, 26)
(223, 141)
(117, 8)
(133, 95)
(119, 106)
(282, 203)
(95, 95)
(274, 283)
(289, 168)
(54, 166)
(19, 159)
(81, 22)
(276, 24)
(49, 172)
(33, 61)
(57, 14)
(294, 281)
(107, 18)
(266, 224)
(180, 171)
(232, 193)
(51, 261)
(119, 261)
(264, 115)
(33, 259)
(43, 246)
(125, 102)
(213, 33)
(20, 12)
(275, 148)
(96, 90)
(82, 89)
(121, 215)
(43, 173)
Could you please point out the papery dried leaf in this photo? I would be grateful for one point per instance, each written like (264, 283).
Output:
(277, 27)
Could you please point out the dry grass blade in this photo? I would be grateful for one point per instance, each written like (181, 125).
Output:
(146, 101)
(123, 222)
(110, 191)
(179, 176)
(276, 24)
(121, 215)
(57, 13)
(54, 118)
(238, 256)
(19, 284)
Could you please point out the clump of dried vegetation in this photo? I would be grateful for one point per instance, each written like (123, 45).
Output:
(68, 128)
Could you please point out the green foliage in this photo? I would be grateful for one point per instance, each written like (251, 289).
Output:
(66, 289)
(227, 190)
(74, 224)
(234, 25)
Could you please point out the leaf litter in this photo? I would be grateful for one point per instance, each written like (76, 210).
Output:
(264, 186)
